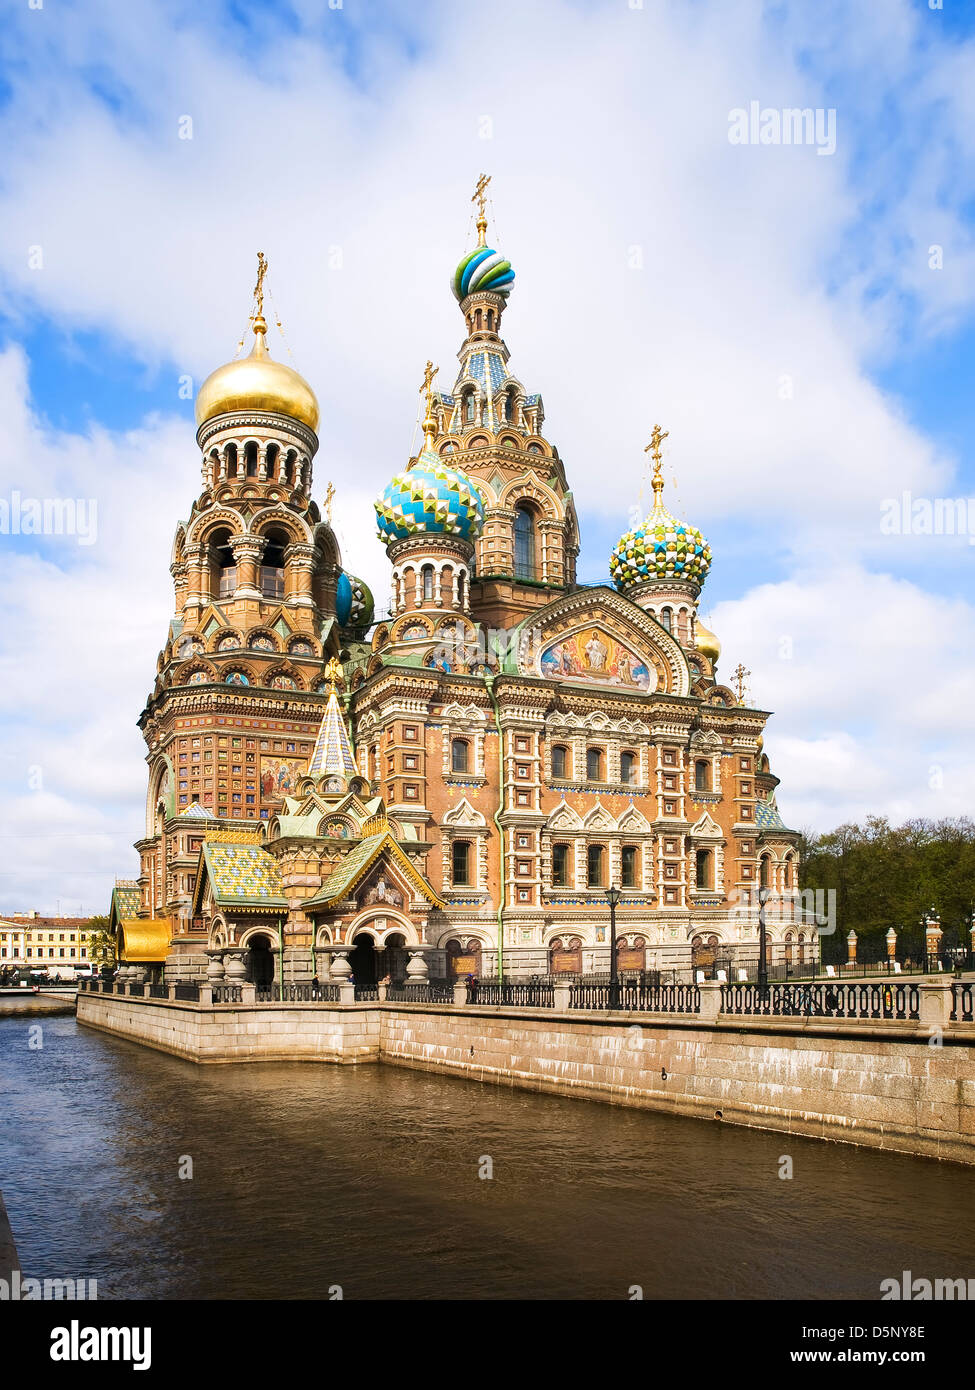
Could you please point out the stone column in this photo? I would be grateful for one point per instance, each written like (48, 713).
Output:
(215, 969)
(196, 558)
(339, 968)
(936, 998)
(235, 970)
(247, 556)
(417, 972)
(710, 1000)
(299, 560)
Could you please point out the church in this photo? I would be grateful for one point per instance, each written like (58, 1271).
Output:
(451, 788)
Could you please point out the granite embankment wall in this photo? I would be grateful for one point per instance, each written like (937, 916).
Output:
(885, 1086)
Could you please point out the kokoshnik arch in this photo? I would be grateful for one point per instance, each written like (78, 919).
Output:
(328, 792)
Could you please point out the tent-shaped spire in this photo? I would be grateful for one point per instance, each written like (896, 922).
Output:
(333, 751)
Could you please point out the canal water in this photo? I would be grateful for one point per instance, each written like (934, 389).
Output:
(309, 1177)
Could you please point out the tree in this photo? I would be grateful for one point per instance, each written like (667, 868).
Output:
(100, 942)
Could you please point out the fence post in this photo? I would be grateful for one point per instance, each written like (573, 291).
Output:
(206, 995)
(383, 991)
(851, 951)
(460, 991)
(710, 1000)
(934, 1003)
(346, 991)
(563, 997)
(170, 991)
(146, 991)
(248, 993)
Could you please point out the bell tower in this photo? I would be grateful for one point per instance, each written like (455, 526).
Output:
(490, 426)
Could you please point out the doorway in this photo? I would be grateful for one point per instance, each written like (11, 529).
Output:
(363, 960)
(260, 962)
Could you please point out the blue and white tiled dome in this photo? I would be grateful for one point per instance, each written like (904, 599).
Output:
(432, 499)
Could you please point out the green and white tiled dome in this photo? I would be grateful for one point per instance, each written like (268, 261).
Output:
(661, 547)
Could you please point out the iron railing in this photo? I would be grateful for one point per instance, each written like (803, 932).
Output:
(302, 992)
(843, 999)
(366, 994)
(962, 999)
(227, 994)
(534, 993)
(429, 992)
(190, 993)
(158, 992)
(635, 994)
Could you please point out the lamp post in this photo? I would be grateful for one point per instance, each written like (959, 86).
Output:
(763, 897)
(613, 896)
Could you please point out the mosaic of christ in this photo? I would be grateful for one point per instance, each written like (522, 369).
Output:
(594, 655)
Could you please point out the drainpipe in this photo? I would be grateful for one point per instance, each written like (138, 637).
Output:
(281, 957)
(489, 682)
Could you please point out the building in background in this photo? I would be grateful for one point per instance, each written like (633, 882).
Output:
(451, 789)
(58, 945)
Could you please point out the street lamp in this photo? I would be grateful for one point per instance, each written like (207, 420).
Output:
(763, 896)
(613, 896)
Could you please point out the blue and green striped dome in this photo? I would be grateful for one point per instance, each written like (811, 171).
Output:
(661, 547)
(483, 269)
(430, 499)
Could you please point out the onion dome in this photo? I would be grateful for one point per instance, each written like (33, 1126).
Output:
(662, 546)
(354, 603)
(482, 269)
(432, 499)
(257, 382)
(706, 642)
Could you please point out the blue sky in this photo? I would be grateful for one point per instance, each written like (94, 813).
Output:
(361, 129)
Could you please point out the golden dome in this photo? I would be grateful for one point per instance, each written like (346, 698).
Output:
(706, 642)
(257, 382)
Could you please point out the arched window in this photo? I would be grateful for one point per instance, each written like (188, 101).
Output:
(628, 767)
(272, 565)
(594, 764)
(524, 544)
(470, 407)
(460, 588)
(231, 460)
(427, 581)
(628, 871)
(250, 459)
(763, 871)
(560, 762)
(460, 755)
(560, 866)
(595, 858)
(226, 565)
(460, 857)
(702, 864)
(667, 619)
(702, 776)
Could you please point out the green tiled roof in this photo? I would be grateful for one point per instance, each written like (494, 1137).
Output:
(243, 874)
(340, 880)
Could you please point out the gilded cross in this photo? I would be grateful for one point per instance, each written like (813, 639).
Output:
(429, 372)
(653, 448)
(739, 675)
(480, 198)
(329, 494)
(259, 287)
(480, 192)
(332, 672)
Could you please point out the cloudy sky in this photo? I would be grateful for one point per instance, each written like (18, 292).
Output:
(801, 322)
